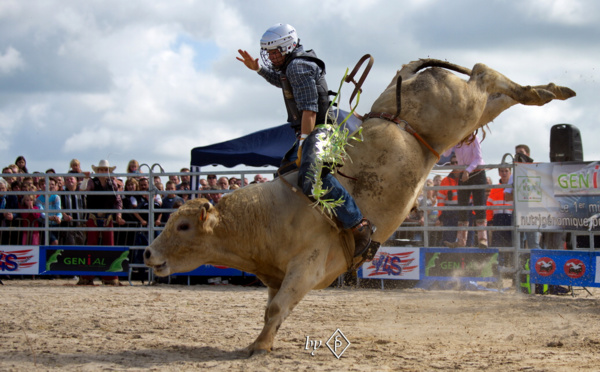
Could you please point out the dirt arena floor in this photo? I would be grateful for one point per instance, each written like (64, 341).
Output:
(53, 325)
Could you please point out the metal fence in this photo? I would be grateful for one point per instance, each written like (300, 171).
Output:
(518, 253)
(20, 231)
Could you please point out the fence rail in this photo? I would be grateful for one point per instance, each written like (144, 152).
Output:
(19, 231)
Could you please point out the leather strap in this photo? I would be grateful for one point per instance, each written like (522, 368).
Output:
(403, 125)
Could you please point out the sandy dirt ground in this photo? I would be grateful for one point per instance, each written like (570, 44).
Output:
(52, 325)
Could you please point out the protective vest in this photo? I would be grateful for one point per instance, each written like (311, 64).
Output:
(294, 115)
(496, 198)
(447, 197)
(95, 201)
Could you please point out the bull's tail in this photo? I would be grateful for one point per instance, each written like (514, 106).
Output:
(422, 63)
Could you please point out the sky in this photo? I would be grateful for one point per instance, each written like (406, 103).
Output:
(150, 80)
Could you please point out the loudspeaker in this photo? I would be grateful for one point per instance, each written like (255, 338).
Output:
(565, 143)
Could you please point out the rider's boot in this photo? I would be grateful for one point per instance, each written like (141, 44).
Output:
(362, 236)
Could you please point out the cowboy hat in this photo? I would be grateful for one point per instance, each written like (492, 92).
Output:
(103, 164)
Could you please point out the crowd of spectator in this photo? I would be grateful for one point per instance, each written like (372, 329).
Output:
(135, 206)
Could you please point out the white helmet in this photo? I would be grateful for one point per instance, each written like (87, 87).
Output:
(279, 36)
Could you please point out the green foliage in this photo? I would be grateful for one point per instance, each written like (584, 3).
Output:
(331, 154)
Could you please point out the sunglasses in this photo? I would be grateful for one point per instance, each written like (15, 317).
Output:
(212, 177)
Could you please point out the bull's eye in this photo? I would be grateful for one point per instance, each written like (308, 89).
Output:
(183, 227)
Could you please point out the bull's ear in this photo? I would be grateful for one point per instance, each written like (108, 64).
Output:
(208, 217)
(204, 211)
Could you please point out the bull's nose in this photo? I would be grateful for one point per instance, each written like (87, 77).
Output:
(147, 254)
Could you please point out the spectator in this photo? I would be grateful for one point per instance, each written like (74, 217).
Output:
(184, 178)
(501, 217)
(529, 239)
(33, 219)
(468, 153)
(72, 220)
(101, 182)
(142, 215)
(54, 214)
(185, 187)
(16, 186)
(429, 199)
(75, 167)
(120, 185)
(157, 180)
(214, 197)
(223, 183)
(130, 203)
(21, 163)
(4, 198)
(174, 178)
(60, 183)
(8, 219)
(212, 179)
(258, 178)
(50, 171)
(8, 179)
(26, 183)
(203, 182)
(133, 167)
(41, 184)
(36, 179)
(449, 218)
(168, 203)
(143, 203)
(14, 168)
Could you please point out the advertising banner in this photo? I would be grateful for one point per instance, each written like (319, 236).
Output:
(19, 260)
(84, 260)
(468, 264)
(551, 196)
(565, 268)
(392, 263)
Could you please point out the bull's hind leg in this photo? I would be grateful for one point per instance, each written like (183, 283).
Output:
(296, 284)
(493, 82)
(497, 103)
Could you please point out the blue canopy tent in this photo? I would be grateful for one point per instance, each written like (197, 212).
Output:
(265, 147)
(262, 148)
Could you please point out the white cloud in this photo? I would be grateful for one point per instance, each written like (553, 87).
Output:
(567, 12)
(10, 61)
(152, 80)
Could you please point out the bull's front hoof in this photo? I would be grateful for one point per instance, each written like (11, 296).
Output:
(255, 351)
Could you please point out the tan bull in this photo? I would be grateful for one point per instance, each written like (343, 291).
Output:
(269, 230)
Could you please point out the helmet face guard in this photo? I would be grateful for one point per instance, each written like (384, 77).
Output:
(279, 37)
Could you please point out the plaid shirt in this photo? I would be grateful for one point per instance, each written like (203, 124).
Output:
(303, 76)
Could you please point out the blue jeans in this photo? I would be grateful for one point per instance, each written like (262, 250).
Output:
(348, 213)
